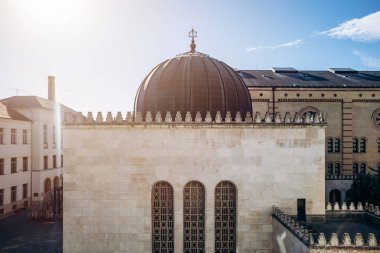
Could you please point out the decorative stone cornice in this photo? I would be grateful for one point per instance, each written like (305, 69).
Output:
(168, 118)
(344, 207)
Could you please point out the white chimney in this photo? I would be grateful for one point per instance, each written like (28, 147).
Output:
(51, 88)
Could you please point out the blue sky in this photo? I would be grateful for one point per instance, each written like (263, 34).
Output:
(100, 50)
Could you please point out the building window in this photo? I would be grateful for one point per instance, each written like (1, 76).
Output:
(54, 161)
(13, 136)
(337, 169)
(363, 145)
(194, 217)
(363, 168)
(1, 166)
(24, 136)
(337, 145)
(24, 191)
(47, 185)
(355, 145)
(45, 162)
(53, 136)
(225, 217)
(14, 165)
(378, 145)
(355, 169)
(376, 118)
(330, 169)
(45, 134)
(13, 193)
(1, 197)
(330, 145)
(162, 218)
(61, 160)
(311, 110)
(1, 135)
(25, 163)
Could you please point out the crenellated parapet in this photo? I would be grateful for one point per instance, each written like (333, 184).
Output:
(341, 177)
(370, 208)
(319, 241)
(345, 241)
(292, 225)
(169, 118)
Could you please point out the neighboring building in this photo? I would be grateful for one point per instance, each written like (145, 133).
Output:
(15, 159)
(352, 101)
(33, 165)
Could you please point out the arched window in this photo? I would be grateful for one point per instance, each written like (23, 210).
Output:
(355, 169)
(225, 217)
(162, 218)
(337, 145)
(337, 169)
(330, 145)
(363, 168)
(363, 145)
(335, 196)
(194, 217)
(330, 169)
(355, 145)
(47, 185)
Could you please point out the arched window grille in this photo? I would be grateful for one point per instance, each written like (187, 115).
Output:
(311, 110)
(355, 169)
(355, 145)
(330, 169)
(194, 217)
(162, 218)
(337, 145)
(363, 145)
(330, 145)
(225, 217)
(363, 168)
(337, 169)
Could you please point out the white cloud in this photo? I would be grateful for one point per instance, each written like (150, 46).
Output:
(284, 45)
(365, 29)
(367, 60)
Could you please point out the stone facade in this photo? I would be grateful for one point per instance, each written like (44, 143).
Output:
(110, 170)
(15, 165)
(350, 114)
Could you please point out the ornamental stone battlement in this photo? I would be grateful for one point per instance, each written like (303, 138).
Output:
(310, 240)
(289, 118)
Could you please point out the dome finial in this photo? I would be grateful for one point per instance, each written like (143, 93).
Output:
(192, 35)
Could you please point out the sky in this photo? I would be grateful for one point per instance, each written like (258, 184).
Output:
(100, 50)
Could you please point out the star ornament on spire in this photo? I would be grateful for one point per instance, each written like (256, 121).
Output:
(192, 35)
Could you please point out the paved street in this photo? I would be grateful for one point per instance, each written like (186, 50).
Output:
(20, 234)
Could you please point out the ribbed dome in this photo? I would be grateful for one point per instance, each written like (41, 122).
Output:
(193, 82)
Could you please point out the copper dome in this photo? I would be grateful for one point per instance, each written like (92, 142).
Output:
(193, 82)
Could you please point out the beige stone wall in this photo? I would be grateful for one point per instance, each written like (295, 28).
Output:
(110, 170)
(337, 103)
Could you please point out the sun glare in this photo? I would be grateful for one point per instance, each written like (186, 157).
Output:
(62, 18)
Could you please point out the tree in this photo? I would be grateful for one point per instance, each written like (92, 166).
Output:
(365, 188)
